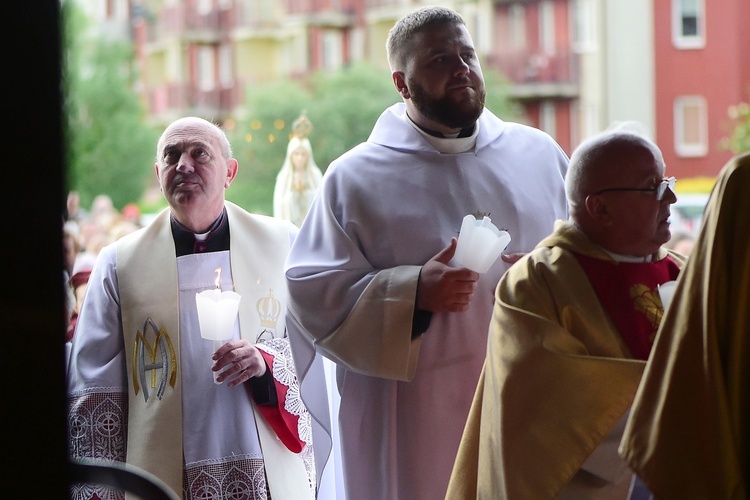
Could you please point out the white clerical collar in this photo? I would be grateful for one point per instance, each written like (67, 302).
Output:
(628, 258)
(200, 236)
(450, 145)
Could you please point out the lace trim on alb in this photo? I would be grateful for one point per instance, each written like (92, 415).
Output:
(237, 477)
(97, 429)
(285, 373)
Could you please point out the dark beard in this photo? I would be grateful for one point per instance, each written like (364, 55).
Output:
(444, 110)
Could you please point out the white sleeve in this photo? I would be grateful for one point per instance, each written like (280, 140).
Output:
(97, 357)
(605, 462)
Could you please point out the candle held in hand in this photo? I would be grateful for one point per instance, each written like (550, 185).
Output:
(480, 243)
(217, 314)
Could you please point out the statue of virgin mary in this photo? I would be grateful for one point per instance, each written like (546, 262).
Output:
(299, 177)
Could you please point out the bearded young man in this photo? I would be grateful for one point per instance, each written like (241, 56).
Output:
(370, 276)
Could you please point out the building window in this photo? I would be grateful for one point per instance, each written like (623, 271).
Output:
(225, 66)
(690, 126)
(332, 50)
(517, 34)
(688, 24)
(584, 121)
(206, 71)
(548, 118)
(357, 44)
(204, 7)
(575, 123)
(584, 26)
(110, 14)
(173, 66)
(547, 27)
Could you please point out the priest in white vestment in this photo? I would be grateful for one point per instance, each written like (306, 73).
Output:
(211, 420)
(379, 239)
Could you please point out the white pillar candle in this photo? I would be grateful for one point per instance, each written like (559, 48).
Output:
(217, 314)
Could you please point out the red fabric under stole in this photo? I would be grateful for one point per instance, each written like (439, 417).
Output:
(284, 424)
(628, 292)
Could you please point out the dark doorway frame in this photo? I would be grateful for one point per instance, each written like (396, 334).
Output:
(32, 303)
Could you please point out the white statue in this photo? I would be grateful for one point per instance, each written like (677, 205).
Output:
(299, 177)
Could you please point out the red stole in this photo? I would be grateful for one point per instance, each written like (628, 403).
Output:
(628, 292)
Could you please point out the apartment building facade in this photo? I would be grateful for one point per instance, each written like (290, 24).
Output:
(702, 67)
(575, 66)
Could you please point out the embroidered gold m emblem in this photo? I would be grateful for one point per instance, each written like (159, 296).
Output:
(167, 361)
(649, 303)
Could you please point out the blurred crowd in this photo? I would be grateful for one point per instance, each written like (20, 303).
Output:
(85, 232)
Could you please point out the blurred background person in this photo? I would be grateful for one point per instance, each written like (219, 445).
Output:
(71, 250)
(682, 243)
(79, 280)
(73, 210)
(71, 247)
(103, 211)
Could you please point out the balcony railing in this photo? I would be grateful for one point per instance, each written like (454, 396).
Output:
(177, 19)
(535, 75)
(535, 67)
(184, 98)
(258, 14)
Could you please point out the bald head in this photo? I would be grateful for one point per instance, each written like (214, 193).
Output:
(194, 167)
(196, 123)
(611, 185)
(605, 159)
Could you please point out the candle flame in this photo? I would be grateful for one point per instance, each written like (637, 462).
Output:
(218, 276)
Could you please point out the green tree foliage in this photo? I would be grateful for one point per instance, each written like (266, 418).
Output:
(497, 97)
(739, 140)
(346, 104)
(110, 150)
(342, 105)
(259, 141)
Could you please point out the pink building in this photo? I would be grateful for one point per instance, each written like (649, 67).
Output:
(575, 66)
(702, 60)
(199, 56)
(533, 48)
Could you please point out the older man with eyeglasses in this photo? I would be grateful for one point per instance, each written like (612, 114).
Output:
(573, 325)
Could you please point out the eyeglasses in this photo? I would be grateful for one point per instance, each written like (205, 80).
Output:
(659, 190)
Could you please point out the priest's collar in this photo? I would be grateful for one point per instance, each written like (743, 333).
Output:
(617, 257)
(461, 143)
(464, 132)
(628, 258)
(216, 239)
